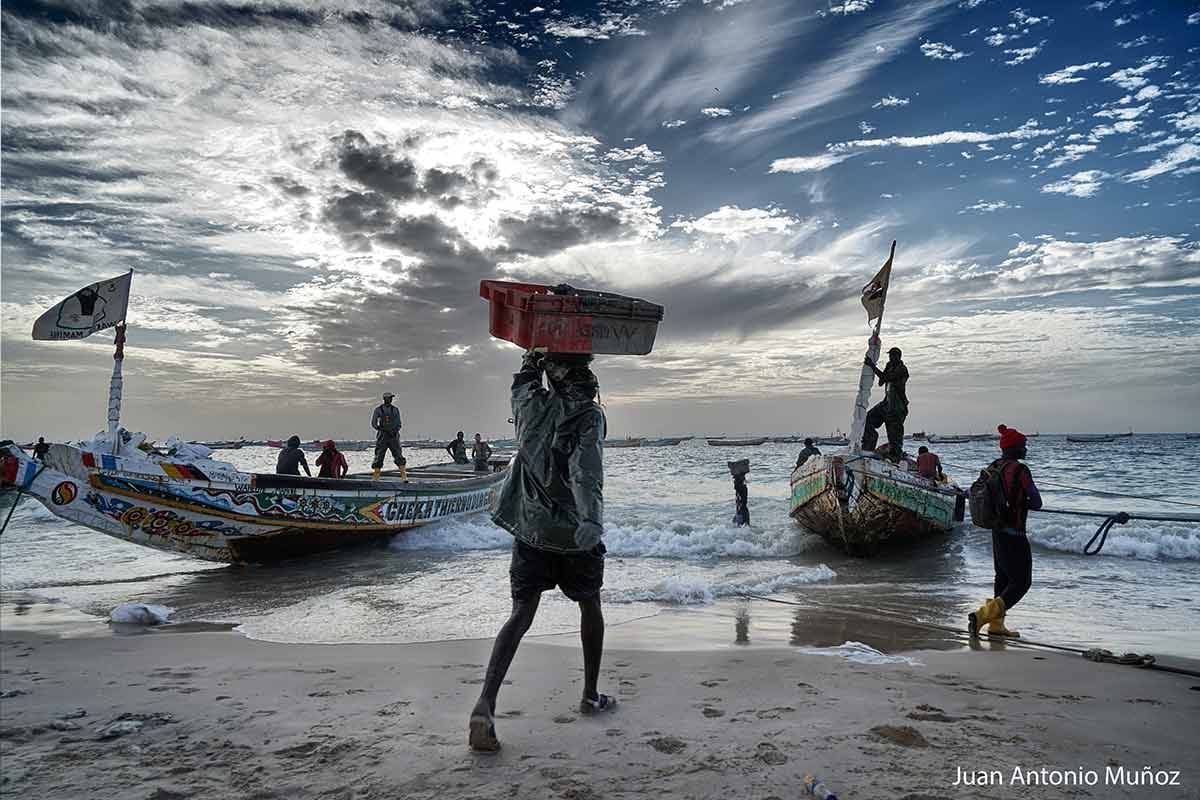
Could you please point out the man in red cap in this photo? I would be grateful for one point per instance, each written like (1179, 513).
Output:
(332, 462)
(1010, 547)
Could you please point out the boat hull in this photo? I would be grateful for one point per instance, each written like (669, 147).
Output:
(234, 517)
(863, 506)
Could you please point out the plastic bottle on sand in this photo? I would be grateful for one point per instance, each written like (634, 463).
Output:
(814, 787)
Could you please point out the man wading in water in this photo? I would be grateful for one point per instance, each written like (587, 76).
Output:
(552, 503)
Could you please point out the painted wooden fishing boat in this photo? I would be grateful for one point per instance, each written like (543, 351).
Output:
(215, 512)
(628, 442)
(737, 442)
(857, 501)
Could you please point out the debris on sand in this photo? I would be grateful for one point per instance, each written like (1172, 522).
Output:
(903, 735)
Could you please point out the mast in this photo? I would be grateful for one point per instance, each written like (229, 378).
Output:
(114, 390)
(874, 295)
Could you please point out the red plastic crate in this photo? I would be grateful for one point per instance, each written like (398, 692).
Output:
(566, 320)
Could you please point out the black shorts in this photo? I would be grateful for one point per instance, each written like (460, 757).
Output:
(533, 571)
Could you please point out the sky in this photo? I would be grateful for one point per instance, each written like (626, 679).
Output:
(309, 193)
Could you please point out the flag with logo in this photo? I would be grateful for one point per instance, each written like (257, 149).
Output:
(93, 308)
(875, 293)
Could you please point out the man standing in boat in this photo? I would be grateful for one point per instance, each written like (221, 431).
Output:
(457, 449)
(552, 503)
(808, 452)
(893, 409)
(386, 422)
(481, 451)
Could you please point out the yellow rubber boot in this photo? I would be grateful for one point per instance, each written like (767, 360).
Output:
(375, 474)
(403, 473)
(996, 628)
(990, 611)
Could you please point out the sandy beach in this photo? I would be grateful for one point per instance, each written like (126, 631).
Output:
(197, 714)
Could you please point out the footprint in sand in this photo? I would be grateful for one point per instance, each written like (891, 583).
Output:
(509, 714)
(711, 712)
(563, 719)
(903, 735)
(668, 744)
(769, 754)
(774, 713)
(713, 682)
(614, 732)
(393, 709)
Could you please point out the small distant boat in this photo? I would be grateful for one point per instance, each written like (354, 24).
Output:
(919, 436)
(1093, 438)
(786, 439)
(666, 441)
(627, 442)
(949, 439)
(737, 442)
(1192, 436)
(833, 441)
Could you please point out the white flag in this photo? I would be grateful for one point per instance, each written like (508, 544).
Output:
(875, 293)
(93, 308)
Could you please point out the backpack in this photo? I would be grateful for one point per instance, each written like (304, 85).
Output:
(988, 500)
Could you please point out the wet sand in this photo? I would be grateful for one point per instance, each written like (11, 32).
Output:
(213, 715)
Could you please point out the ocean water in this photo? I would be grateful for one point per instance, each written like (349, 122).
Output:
(676, 565)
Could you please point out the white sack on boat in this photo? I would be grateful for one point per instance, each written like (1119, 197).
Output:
(141, 614)
(187, 451)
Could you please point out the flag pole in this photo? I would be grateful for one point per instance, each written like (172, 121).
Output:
(114, 390)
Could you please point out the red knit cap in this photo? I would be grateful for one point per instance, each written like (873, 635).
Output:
(1010, 437)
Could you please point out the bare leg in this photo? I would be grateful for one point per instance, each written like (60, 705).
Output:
(591, 631)
(482, 729)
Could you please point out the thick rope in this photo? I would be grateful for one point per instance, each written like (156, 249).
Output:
(1103, 492)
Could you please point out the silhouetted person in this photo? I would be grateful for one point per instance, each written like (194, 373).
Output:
(893, 409)
(386, 422)
(741, 501)
(458, 449)
(40, 449)
(808, 452)
(291, 458)
(481, 451)
(331, 462)
(552, 503)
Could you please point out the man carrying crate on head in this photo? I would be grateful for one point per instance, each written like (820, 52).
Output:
(552, 503)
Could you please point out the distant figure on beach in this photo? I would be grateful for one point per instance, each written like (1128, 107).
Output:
(481, 451)
(929, 465)
(552, 503)
(892, 410)
(386, 422)
(331, 462)
(458, 449)
(291, 459)
(1010, 547)
(808, 452)
(741, 501)
(40, 449)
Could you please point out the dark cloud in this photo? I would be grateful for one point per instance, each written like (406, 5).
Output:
(289, 186)
(547, 232)
(375, 167)
(358, 213)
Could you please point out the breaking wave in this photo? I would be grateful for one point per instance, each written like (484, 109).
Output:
(1150, 541)
(677, 590)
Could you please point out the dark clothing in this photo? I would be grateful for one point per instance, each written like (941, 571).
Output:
(386, 419)
(333, 464)
(480, 453)
(39, 451)
(895, 381)
(882, 414)
(929, 466)
(741, 504)
(383, 443)
(555, 483)
(290, 459)
(1020, 493)
(458, 451)
(808, 452)
(533, 571)
(1014, 567)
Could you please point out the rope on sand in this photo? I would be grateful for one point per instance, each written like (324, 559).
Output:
(1096, 654)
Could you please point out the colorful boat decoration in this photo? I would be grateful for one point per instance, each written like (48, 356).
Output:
(737, 442)
(213, 511)
(857, 501)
